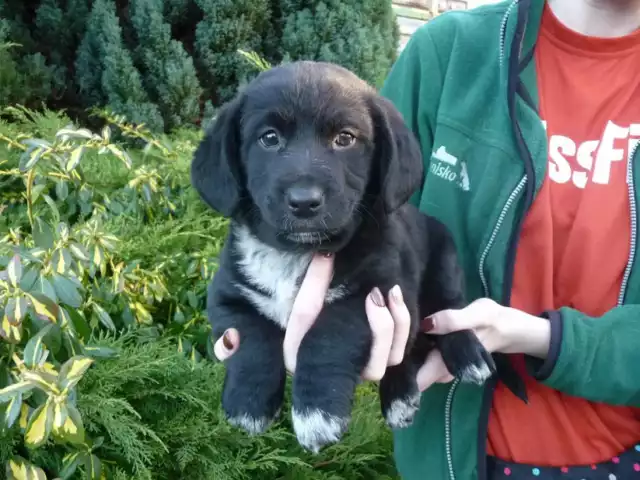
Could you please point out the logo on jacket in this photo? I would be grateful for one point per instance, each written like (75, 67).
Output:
(449, 168)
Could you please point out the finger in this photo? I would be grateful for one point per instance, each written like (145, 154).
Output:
(307, 306)
(382, 327)
(227, 344)
(401, 322)
(479, 313)
(433, 371)
(447, 321)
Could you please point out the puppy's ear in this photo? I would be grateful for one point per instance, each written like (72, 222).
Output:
(399, 169)
(215, 169)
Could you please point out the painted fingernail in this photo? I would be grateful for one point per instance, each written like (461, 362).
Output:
(427, 324)
(226, 341)
(377, 298)
(396, 295)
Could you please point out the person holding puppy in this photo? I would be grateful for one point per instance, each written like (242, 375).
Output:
(528, 116)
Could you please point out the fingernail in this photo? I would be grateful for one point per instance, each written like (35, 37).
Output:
(396, 294)
(226, 341)
(427, 324)
(377, 298)
(327, 254)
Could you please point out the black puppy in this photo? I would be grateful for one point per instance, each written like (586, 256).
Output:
(308, 157)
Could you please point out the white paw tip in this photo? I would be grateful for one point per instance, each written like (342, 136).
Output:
(315, 428)
(401, 412)
(476, 374)
(253, 426)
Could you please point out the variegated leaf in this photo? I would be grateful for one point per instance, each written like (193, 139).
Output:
(72, 429)
(9, 392)
(72, 371)
(13, 410)
(39, 426)
(14, 270)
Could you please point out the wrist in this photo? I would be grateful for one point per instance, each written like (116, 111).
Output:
(527, 333)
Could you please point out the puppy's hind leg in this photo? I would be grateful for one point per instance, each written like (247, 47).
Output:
(463, 354)
(330, 360)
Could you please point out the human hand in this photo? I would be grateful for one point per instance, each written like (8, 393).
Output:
(498, 328)
(388, 318)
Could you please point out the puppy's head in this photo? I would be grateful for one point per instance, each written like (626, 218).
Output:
(304, 153)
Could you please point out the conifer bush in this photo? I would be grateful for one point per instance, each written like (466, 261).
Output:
(361, 36)
(227, 26)
(23, 77)
(168, 63)
(169, 73)
(105, 72)
(59, 27)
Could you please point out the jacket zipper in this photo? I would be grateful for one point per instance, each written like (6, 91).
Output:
(514, 194)
(634, 226)
(447, 428)
(503, 29)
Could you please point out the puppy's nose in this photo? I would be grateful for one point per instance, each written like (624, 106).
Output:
(305, 201)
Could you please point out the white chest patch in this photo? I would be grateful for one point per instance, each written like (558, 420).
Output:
(276, 272)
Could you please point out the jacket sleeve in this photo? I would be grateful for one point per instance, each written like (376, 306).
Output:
(593, 358)
(414, 85)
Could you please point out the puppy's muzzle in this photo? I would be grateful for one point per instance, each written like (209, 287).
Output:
(305, 201)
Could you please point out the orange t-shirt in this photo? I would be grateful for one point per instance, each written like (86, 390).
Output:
(575, 241)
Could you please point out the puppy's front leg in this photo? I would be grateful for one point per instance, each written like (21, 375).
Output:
(254, 383)
(330, 360)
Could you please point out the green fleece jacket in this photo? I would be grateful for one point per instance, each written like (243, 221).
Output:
(466, 85)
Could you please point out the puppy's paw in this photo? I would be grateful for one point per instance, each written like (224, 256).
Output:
(401, 411)
(252, 425)
(477, 373)
(316, 429)
(465, 357)
(251, 406)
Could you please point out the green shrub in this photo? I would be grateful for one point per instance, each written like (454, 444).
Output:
(105, 71)
(361, 36)
(59, 27)
(169, 72)
(27, 80)
(166, 62)
(227, 26)
(175, 11)
(23, 78)
(105, 256)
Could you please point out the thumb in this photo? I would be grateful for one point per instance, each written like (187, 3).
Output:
(307, 306)
(446, 321)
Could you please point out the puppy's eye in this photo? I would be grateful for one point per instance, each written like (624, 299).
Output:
(270, 139)
(344, 140)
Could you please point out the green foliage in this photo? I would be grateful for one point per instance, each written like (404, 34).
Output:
(171, 63)
(60, 25)
(105, 356)
(105, 71)
(176, 10)
(169, 72)
(23, 78)
(361, 36)
(228, 25)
